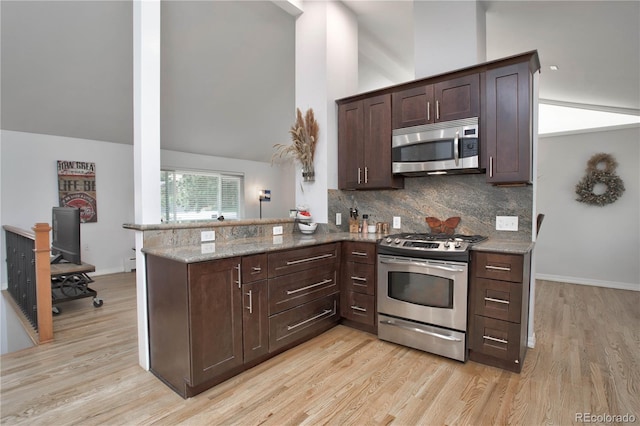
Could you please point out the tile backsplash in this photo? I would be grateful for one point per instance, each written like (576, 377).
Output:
(476, 202)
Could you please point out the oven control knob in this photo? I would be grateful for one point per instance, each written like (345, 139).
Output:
(458, 244)
(446, 244)
(388, 240)
(397, 241)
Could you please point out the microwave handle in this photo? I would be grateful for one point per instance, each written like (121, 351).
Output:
(456, 149)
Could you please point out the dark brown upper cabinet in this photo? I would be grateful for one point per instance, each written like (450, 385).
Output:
(432, 103)
(364, 144)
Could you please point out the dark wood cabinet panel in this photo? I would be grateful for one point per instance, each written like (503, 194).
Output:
(289, 261)
(303, 321)
(364, 145)
(291, 290)
(215, 309)
(359, 277)
(358, 285)
(354, 251)
(447, 100)
(254, 268)
(508, 134)
(359, 307)
(255, 320)
(499, 308)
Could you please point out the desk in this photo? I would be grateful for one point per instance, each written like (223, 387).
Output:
(70, 281)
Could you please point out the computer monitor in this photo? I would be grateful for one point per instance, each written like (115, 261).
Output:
(65, 244)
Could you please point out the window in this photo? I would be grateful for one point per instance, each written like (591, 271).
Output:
(189, 195)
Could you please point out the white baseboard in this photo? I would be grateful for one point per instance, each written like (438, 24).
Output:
(587, 281)
(531, 341)
(107, 271)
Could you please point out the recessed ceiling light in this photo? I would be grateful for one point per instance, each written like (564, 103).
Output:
(553, 67)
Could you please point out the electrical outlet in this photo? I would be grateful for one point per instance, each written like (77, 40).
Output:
(277, 230)
(506, 223)
(208, 236)
(396, 222)
(338, 219)
(277, 239)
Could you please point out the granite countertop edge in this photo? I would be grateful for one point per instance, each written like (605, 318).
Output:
(248, 246)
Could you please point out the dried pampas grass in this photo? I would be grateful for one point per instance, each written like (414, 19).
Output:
(304, 134)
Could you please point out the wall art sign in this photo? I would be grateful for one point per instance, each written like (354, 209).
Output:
(77, 188)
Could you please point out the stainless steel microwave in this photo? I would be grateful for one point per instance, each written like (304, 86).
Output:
(447, 147)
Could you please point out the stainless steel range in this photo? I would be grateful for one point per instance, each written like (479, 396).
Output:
(422, 291)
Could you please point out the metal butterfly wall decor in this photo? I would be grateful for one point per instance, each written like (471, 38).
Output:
(443, 226)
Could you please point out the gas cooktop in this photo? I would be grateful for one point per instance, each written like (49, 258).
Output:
(429, 245)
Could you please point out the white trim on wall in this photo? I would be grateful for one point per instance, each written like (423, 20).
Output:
(587, 281)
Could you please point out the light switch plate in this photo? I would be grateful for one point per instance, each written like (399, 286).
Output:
(396, 222)
(338, 219)
(277, 230)
(208, 236)
(506, 223)
(207, 248)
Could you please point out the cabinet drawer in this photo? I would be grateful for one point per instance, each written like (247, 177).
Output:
(286, 262)
(359, 252)
(254, 268)
(496, 338)
(359, 277)
(303, 321)
(498, 266)
(291, 290)
(497, 299)
(359, 307)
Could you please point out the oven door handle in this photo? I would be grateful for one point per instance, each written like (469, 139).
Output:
(419, 330)
(428, 265)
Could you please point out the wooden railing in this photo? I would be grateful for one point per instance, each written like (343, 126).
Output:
(29, 276)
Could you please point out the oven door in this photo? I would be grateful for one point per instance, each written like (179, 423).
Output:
(429, 291)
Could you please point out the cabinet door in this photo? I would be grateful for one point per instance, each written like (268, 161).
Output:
(255, 320)
(458, 98)
(350, 144)
(215, 306)
(289, 291)
(507, 121)
(359, 307)
(289, 261)
(359, 277)
(377, 145)
(361, 252)
(413, 107)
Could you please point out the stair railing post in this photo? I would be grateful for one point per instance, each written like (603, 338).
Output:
(43, 282)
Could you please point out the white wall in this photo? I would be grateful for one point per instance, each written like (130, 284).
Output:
(30, 190)
(581, 243)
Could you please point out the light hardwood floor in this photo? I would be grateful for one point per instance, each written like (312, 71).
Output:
(586, 360)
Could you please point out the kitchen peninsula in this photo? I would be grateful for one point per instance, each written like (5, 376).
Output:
(218, 308)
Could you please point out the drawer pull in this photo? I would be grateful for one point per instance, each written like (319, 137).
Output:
(495, 339)
(309, 259)
(320, 315)
(491, 299)
(359, 253)
(256, 268)
(358, 308)
(239, 280)
(497, 268)
(359, 279)
(298, 290)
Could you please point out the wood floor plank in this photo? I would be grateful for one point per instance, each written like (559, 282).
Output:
(586, 360)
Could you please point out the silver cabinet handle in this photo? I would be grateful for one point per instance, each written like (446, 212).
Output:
(366, 175)
(359, 181)
(250, 307)
(495, 339)
(359, 253)
(358, 308)
(239, 280)
(298, 290)
(320, 315)
(491, 299)
(490, 166)
(359, 279)
(456, 148)
(256, 268)
(419, 330)
(497, 268)
(428, 110)
(437, 110)
(309, 259)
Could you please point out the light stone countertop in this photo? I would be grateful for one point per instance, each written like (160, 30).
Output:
(247, 246)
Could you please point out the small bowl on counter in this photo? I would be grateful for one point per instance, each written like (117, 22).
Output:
(307, 227)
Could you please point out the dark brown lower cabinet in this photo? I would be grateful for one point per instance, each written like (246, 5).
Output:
(499, 309)
(255, 320)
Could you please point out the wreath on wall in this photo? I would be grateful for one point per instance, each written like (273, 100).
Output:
(600, 170)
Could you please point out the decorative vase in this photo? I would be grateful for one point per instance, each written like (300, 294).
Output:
(308, 174)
